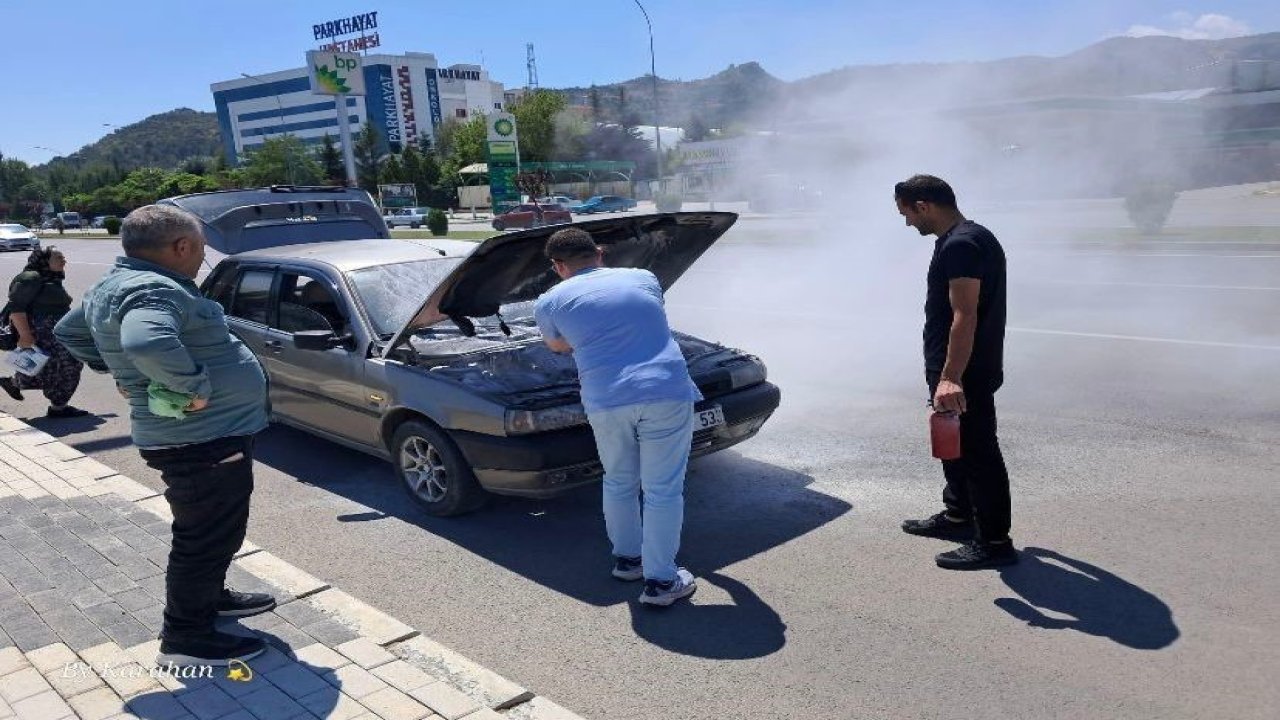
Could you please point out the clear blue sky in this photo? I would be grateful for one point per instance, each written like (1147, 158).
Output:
(74, 65)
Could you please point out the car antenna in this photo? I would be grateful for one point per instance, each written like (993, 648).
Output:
(502, 325)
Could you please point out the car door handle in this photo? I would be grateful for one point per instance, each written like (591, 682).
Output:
(275, 346)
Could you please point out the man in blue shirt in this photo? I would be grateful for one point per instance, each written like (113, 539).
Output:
(196, 397)
(639, 400)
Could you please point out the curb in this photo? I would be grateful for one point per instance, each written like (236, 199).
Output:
(455, 687)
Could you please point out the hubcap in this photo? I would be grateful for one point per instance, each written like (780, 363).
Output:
(424, 469)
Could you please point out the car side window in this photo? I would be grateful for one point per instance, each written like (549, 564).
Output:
(221, 287)
(252, 296)
(308, 303)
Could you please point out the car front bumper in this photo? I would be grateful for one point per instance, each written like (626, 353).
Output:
(547, 464)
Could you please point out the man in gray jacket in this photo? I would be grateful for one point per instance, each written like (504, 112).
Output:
(196, 398)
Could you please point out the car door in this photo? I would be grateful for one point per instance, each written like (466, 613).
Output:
(325, 390)
(244, 293)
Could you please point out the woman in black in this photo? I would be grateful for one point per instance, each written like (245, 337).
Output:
(37, 301)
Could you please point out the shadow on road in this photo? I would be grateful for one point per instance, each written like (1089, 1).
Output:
(748, 628)
(63, 427)
(1098, 602)
(735, 508)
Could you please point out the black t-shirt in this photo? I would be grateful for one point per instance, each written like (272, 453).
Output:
(967, 251)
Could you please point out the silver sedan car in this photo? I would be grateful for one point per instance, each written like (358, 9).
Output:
(425, 352)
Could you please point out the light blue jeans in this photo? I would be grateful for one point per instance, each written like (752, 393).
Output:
(645, 447)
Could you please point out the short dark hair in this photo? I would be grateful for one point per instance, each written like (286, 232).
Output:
(570, 244)
(926, 188)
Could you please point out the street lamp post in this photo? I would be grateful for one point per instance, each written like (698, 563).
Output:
(653, 73)
(288, 160)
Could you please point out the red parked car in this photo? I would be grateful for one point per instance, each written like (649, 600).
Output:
(531, 216)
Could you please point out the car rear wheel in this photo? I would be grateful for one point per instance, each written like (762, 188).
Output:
(498, 225)
(433, 471)
(415, 225)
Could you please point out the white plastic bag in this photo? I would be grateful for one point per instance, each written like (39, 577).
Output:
(28, 361)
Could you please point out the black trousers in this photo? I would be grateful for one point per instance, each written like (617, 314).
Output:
(978, 482)
(209, 485)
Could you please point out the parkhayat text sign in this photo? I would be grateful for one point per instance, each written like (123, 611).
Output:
(361, 23)
(335, 73)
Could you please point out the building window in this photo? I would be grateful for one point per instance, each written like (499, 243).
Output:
(497, 106)
(460, 112)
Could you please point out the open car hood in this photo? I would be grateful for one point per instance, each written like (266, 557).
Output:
(512, 268)
(238, 220)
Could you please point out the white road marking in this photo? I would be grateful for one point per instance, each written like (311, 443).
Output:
(1141, 338)
(1147, 285)
(1162, 255)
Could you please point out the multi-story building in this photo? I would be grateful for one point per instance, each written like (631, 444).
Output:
(407, 96)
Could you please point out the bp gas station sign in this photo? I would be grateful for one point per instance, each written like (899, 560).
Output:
(503, 147)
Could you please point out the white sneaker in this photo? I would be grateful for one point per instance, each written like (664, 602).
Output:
(663, 594)
(628, 569)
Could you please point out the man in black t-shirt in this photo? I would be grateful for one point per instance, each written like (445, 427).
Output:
(964, 319)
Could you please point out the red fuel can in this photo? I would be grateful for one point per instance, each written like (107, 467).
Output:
(944, 432)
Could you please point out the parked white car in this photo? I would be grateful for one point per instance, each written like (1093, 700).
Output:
(414, 217)
(18, 237)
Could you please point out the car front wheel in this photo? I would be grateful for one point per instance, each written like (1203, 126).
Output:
(415, 225)
(433, 471)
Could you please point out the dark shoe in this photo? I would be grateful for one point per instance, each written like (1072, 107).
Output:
(941, 527)
(663, 594)
(211, 648)
(11, 388)
(978, 556)
(66, 411)
(627, 568)
(238, 604)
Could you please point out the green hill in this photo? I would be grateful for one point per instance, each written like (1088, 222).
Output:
(162, 141)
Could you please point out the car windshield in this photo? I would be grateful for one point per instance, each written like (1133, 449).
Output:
(393, 293)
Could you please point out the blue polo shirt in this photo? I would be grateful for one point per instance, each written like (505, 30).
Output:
(616, 323)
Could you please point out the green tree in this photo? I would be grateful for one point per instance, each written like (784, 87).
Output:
(331, 165)
(536, 124)
(368, 159)
(184, 183)
(281, 161)
(462, 143)
(696, 130)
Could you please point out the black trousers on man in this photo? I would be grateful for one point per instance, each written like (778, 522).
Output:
(978, 482)
(209, 485)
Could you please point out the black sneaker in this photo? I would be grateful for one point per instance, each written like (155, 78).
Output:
(211, 648)
(7, 384)
(66, 411)
(978, 556)
(940, 526)
(627, 568)
(238, 604)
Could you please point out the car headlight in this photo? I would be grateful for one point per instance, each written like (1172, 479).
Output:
(523, 422)
(747, 374)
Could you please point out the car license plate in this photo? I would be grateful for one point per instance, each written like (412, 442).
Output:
(709, 418)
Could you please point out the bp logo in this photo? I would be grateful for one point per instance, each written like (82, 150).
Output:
(332, 81)
(504, 127)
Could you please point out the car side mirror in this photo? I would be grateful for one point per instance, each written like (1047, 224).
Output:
(322, 340)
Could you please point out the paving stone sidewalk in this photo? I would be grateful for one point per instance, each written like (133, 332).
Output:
(82, 557)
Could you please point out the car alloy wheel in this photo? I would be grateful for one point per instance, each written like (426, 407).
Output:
(433, 471)
(424, 469)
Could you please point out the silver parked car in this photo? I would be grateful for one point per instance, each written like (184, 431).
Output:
(18, 237)
(425, 353)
